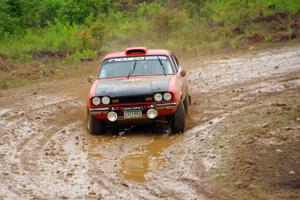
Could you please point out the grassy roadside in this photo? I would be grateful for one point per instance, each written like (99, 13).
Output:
(20, 74)
(76, 29)
(50, 45)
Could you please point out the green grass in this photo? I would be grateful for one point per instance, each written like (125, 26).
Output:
(12, 83)
(4, 84)
(57, 37)
(155, 24)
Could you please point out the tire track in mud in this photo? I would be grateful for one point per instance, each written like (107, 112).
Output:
(44, 131)
(236, 96)
(192, 166)
(36, 134)
(194, 187)
(31, 152)
(29, 119)
(116, 188)
(47, 153)
(222, 95)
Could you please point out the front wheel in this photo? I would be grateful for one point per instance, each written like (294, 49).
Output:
(94, 126)
(178, 120)
(187, 103)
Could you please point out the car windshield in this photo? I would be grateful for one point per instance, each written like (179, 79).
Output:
(136, 66)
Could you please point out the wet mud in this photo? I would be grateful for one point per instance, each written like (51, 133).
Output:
(46, 152)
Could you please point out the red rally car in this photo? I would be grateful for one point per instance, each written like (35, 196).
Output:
(138, 84)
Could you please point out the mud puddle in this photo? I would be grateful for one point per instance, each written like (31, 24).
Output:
(147, 158)
(144, 155)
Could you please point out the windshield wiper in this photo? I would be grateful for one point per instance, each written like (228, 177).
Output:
(132, 70)
(162, 65)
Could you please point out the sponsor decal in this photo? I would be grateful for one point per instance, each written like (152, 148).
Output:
(138, 58)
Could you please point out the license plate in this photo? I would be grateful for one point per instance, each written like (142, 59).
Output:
(131, 114)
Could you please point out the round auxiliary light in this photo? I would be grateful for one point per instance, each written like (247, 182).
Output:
(105, 100)
(158, 97)
(167, 96)
(112, 116)
(96, 101)
(151, 113)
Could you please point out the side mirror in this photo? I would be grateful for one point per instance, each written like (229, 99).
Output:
(183, 73)
(90, 79)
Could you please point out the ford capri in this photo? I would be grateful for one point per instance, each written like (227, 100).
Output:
(138, 84)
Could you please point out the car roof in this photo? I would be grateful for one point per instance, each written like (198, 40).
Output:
(147, 52)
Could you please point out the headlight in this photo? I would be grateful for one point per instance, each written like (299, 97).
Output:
(167, 96)
(96, 101)
(151, 113)
(105, 100)
(112, 116)
(158, 97)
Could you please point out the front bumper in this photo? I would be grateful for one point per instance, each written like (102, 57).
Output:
(163, 109)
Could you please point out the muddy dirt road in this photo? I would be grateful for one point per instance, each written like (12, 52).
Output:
(46, 152)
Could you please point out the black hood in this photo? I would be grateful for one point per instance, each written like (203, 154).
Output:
(133, 86)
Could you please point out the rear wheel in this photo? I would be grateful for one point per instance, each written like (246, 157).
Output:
(178, 120)
(94, 126)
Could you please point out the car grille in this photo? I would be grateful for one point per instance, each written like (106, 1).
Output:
(132, 99)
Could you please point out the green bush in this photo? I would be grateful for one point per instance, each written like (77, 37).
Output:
(81, 26)
(57, 37)
(235, 12)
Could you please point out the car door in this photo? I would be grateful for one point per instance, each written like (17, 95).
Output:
(184, 86)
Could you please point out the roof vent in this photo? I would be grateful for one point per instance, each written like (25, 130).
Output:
(134, 51)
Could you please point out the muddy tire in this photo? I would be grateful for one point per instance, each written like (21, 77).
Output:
(94, 126)
(178, 120)
(186, 104)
